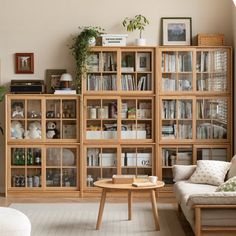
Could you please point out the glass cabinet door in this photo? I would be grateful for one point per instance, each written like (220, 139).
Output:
(177, 119)
(26, 167)
(102, 71)
(26, 119)
(177, 71)
(61, 167)
(101, 119)
(136, 161)
(136, 119)
(101, 163)
(212, 70)
(61, 119)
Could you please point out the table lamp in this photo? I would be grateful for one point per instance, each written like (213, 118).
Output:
(65, 80)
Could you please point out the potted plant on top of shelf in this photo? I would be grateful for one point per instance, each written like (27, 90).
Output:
(80, 50)
(2, 93)
(139, 22)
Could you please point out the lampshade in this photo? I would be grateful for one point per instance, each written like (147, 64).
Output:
(66, 77)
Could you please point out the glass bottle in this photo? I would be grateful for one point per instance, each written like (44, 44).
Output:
(37, 159)
(30, 159)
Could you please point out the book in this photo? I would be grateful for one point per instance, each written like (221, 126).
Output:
(143, 184)
(65, 92)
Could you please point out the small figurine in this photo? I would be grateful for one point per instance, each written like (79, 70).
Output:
(34, 131)
(17, 110)
(17, 130)
(51, 130)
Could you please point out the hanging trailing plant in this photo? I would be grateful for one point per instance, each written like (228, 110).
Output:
(80, 50)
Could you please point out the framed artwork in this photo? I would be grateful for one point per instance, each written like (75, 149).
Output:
(143, 61)
(176, 31)
(24, 63)
(53, 79)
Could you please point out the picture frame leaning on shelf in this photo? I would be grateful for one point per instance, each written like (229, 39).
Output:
(176, 30)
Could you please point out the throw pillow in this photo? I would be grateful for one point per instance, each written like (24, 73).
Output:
(232, 170)
(210, 172)
(228, 186)
(182, 172)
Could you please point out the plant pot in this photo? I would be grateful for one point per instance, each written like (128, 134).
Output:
(92, 41)
(141, 42)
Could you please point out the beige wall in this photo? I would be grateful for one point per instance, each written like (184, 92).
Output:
(45, 28)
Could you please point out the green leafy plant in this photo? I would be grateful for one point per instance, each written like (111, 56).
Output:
(2, 94)
(80, 50)
(139, 22)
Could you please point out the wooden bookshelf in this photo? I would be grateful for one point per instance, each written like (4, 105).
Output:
(195, 103)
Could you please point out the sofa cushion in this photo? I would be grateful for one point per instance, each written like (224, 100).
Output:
(210, 172)
(232, 170)
(213, 198)
(182, 172)
(228, 186)
(183, 189)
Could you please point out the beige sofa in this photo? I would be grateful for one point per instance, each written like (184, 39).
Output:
(205, 210)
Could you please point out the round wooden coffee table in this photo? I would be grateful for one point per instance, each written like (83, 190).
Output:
(108, 186)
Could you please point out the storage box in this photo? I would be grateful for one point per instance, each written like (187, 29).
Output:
(108, 159)
(114, 39)
(130, 134)
(144, 159)
(210, 39)
(123, 179)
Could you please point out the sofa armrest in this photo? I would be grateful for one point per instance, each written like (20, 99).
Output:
(182, 172)
(215, 198)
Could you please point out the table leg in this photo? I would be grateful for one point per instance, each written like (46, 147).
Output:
(101, 208)
(154, 209)
(129, 205)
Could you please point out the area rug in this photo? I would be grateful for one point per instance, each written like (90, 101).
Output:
(73, 219)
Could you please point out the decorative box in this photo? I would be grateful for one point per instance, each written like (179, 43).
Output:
(114, 39)
(210, 39)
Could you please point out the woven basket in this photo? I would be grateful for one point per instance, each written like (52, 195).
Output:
(210, 39)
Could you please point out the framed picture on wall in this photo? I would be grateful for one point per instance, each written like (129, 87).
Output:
(176, 30)
(24, 63)
(53, 79)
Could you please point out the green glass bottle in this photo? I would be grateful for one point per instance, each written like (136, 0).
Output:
(30, 159)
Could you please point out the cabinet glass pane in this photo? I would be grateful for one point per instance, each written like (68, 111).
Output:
(185, 82)
(185, 61)
(168, 62)
(69, 109)
(53, 109)
(219, 154)
(18, 177)
(69, 177)
(53, 177)
(53, 157)
(101, 163)
(109, 61)
(34, 109)
(212, 118)
(17, 109)
(34, 178)
(101, 119)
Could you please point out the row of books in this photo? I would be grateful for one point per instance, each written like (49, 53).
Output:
(170, 158)
(128, 82)
(169, 62)
(101, 61)
(170, 131)
(97, 83)
(211, 131)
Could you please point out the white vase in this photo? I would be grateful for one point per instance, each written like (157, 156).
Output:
(141, 42)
